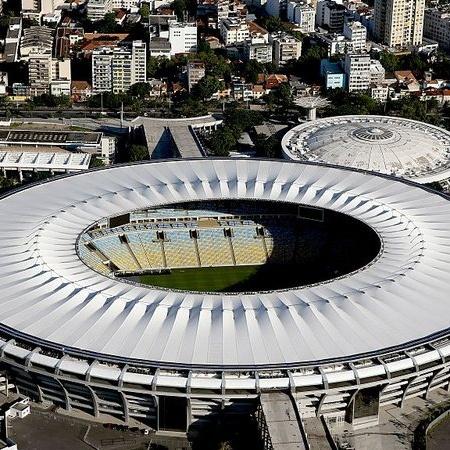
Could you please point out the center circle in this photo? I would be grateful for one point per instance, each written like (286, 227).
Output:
(372, 134)
(228, 246)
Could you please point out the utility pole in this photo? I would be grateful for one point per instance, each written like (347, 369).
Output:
(121, 115)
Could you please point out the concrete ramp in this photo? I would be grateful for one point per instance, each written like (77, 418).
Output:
(282, 429)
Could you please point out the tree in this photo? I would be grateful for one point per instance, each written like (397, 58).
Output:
(140, 89)
(343, 102)
(308, 65)
(144, 10)
(106, 25)
(96, 162)
(389, 61)
(152, 66)
(252, 69)
(273, 23)
(138, 153)
(267, 147)
(179, 8)
(206, 87)
(221, 142)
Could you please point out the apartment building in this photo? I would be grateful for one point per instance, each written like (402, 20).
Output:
(357, 72)
(330, 15)
(96, 9)
(399, 23)
(125, 4)
(436, 26)
(302, 14)
(285, 47)
(48, 75)
(256, 48)
(195, 71)
(234, 31)
(356, 33)
(116, 69)
(182, 37)
(36, 39)
(35, 9)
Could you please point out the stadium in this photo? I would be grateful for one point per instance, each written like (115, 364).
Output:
(90, 322)
(391, 145)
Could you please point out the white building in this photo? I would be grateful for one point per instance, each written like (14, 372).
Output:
(3, 83)
(436, 26)
(303, 15)
(116, 69)
(96, 9)
(49, 75)
(19, 409)
(182, 38)
(357, 72)
(356, 33)
(285, 47)
(258, 49)
(330, 15)
(35, 9)
(399, 23)
(377, 72)
(234, 31)
(36, 39)
(125, 4)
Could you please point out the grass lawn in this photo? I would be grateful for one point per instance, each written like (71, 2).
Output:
(212, 279)
(229, 278)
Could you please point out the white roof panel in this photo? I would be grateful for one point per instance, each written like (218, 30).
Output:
(50, 294)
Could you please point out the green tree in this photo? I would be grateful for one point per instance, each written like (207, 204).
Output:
(152, 66)
(343, 103)
(267, 147)
(144, 10)
(179, 7)
(221, 142)
(252, 69)
(96, 162)
(138, 153)
(106, 25)
(206, 87)
(389, 61)
(140, 90)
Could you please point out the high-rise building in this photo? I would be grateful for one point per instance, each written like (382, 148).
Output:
(96, 9)
(182, 37)
(357, 35)
(330, 15)
(357, 71)
(48, 75)
(303, 15)
(436, 26)
(399, 23)
(116, 69)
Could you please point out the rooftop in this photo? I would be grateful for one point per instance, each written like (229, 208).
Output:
(389, 145)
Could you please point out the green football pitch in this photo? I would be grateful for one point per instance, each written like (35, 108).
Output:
(226, 279)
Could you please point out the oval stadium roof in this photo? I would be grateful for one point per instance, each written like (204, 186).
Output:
(49, 295)
(390, 145)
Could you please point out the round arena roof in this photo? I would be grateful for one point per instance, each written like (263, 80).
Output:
(50, 297)
(390, 145)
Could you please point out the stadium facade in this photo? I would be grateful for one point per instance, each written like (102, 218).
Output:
(341, 348)
(390, 145)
